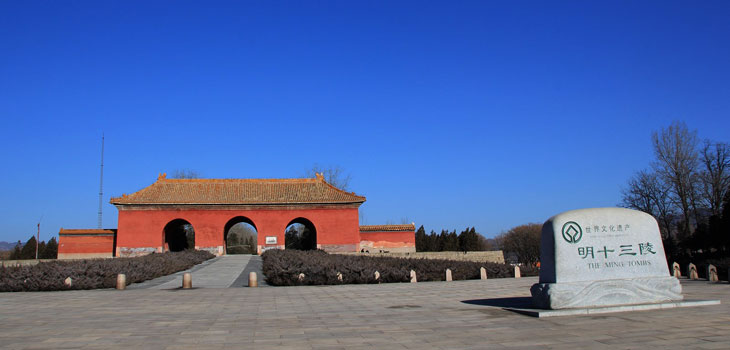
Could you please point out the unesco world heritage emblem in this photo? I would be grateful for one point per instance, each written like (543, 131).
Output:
(572, 233)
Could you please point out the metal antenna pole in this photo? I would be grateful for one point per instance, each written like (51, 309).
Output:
(101, 181)
(38, 237)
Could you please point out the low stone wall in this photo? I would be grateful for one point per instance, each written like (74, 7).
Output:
(13, 263)
(495, 256)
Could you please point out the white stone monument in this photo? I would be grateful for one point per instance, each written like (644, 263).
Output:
(603, 257)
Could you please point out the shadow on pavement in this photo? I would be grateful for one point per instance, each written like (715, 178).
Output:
(515, 302)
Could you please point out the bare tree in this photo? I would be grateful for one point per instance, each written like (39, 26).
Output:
(715, 175)
(185, 174)
(676, 151)
(523, 241)
(646, 192)
(334, 175)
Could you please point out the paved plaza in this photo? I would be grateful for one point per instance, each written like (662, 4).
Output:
(431, 315)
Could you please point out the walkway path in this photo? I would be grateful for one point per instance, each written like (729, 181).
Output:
(221, 272)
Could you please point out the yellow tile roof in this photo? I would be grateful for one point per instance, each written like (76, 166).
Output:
(379, 228)
(239, 191)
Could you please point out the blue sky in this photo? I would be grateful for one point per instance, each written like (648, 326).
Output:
(485, 114)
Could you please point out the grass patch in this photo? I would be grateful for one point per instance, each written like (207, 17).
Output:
(96, 273)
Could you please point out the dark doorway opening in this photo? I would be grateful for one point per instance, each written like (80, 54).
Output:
(300, 234)
(241, 236)
(179, 235)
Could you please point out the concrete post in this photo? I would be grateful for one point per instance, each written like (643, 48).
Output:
(187, 281)
(676, 271)
(448, 275)
(121, 281)
(483, 273)
(413, 277)
(692, 272)
(712, 273)
(253, 280)
(518, 274)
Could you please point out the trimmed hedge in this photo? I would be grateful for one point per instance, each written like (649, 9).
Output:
(282, 268)
(96, 273)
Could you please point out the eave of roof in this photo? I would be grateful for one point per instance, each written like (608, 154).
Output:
(386, 228)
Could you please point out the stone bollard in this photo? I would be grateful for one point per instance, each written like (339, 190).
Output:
(377, 276)
(518, 274)
(413, 277)
(339, 276)
(68, 281)
(448, 275)
(676, 271)
(712, 274)
(692, 272)
(187, 282)
(301, 276)
(121, 281)
(253, 280)
(482, 273)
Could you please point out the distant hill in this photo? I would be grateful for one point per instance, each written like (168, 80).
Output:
(8, 245)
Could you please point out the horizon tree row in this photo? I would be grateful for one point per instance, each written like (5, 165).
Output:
(466, 240)
(27, 251)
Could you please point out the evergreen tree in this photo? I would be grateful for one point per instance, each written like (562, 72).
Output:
(28, 251)
(421, 241)
(15, 255)
(434, 242)
(450, 241)
(468, 240)
(41, 249)
(51, 251)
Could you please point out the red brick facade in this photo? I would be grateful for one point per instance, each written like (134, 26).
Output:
(388, 238)
(85, 244)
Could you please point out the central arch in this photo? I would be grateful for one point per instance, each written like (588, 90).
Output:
(300, 234)
(240, 236)
(179, 235)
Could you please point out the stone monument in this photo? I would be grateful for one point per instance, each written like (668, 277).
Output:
(603, 257)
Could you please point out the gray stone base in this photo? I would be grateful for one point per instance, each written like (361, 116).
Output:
(590, 294)
(602, 310)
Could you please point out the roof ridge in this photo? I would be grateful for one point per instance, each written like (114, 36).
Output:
(292, 180)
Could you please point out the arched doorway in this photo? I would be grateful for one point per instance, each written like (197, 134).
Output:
(300, 234)
(179, 235)
(240, 236)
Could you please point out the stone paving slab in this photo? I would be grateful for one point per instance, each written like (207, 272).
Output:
(431, 315)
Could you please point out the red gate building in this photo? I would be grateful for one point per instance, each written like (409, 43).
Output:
(150, 219)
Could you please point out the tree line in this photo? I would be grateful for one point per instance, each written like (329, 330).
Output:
(521, 244)
(27, 251)
(687, 189)
(466, 240)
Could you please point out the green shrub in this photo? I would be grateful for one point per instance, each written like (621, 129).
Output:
(282, 268)
(96, 273)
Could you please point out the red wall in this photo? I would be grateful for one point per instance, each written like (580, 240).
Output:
(337, 228)
(77, 247)
(393, 240)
